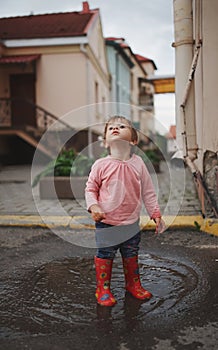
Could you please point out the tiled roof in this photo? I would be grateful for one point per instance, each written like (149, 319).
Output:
(46, 26)
(120, 41)
(140, 59)
(18, 59)
(143, 59)
(112, 38)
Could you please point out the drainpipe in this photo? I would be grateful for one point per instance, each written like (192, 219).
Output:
(185, 107)
(186, 64)
(190, 147)
(90, 148)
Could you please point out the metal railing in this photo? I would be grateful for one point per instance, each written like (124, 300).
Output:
(43, 118)
(44, 123)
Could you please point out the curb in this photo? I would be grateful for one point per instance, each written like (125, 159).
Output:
(84, 222)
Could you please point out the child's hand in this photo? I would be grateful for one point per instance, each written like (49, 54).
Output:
(160, 225)
(97, 213)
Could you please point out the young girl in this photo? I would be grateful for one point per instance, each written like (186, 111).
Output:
(116, 187)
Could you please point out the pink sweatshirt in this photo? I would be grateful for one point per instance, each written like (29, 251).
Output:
(119, 188)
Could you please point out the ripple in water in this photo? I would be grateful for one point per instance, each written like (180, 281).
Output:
(62, 292)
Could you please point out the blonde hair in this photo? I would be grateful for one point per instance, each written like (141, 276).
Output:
(134, 136)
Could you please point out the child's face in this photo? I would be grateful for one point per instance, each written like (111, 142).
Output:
(118, 130)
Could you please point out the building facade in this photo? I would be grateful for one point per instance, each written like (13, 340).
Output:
(52, 63)
(120, 66)
(59, 74)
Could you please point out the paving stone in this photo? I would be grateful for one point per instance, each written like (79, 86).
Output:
(175, 187)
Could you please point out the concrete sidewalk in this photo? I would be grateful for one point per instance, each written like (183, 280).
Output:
(20, 204)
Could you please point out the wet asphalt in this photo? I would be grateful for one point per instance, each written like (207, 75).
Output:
(47, 298)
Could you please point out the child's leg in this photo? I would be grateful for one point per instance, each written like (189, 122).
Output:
(129, 252)
(103, 266)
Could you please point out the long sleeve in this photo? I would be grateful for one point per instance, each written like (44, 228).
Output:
(148, 195)
(92, 186)
(119, 187)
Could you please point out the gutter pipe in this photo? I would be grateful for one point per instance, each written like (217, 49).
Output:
(183, 28)
(190, 154)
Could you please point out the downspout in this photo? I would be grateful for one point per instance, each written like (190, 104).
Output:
(183, 27)
(90, 148)
(189, 153)
(186, 64)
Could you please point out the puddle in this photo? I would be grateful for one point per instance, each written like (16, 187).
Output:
(60, 294)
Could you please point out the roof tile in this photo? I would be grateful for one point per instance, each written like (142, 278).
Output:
(18, 59)
(45, 26)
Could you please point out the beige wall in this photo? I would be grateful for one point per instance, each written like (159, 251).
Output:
(60, 83)
(96, 42)
(67, 82)
(83, 81)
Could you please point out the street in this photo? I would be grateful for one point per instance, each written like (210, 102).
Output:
(47, 288)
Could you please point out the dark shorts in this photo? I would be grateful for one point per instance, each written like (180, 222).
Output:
(125, 238)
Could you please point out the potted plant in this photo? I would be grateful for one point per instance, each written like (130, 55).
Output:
(64, 177)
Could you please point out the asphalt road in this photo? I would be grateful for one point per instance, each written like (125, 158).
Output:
(47, 294)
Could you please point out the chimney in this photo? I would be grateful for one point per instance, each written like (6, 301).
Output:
(85, 7)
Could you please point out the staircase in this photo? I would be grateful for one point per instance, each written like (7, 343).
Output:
(55, 128)
(28, 138)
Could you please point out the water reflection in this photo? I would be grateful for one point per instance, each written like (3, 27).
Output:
(60, 294)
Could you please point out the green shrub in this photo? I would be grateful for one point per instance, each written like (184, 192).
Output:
(67, 163)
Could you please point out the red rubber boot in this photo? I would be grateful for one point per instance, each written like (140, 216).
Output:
(103, 277)
(132, 278)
